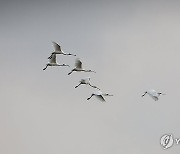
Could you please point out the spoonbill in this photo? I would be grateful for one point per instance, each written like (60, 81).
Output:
(86, 81)
(99, 95)
(57, 50)
(153, 94)
(52, 62)
(78, 67)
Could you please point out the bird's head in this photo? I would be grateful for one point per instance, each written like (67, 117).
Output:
(161, 94)
(71, 54)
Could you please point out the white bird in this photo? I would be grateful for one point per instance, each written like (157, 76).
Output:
(153, 94)
(78, 67)
(86, 81)
(52, 62)
(99, 95)
(57, 50)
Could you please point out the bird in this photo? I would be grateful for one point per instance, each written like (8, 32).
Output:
(57, 50)
(52, 62)
(99, 95)
(86, 81)
(153, 94)
(78, 67)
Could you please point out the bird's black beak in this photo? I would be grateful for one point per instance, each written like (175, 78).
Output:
(144, 94)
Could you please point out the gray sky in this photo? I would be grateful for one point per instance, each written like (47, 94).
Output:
(133, 46)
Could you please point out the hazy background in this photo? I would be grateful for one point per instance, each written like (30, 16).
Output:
(133, 46)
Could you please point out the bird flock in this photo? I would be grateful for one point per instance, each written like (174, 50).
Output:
(86, 81)
(78, 68)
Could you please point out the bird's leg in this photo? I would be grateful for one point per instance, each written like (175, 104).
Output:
(45, 67)
(90, 97)
(78, 85)
(94, 86)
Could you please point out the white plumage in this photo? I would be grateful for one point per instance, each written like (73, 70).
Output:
(86, 81)
(153, 94)
(58, 50)
(52, 62)
(99, 95)
(78, 67)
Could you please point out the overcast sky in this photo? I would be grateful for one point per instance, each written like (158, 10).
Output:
(133, 45)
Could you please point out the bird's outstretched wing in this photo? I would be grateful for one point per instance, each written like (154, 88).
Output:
(78, 64)
(85, 80)
(53, 58)
(101, 98)
(155, 98)
(57, 47)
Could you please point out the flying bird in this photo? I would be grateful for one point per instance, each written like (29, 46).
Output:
(153, 94)
(52, 62)
(99, 95)
(78, 67)
(57, 50)
(86, 81)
